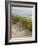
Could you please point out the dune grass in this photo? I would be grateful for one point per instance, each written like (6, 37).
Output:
(27, 23)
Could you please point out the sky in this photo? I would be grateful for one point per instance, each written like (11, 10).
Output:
(21, 10)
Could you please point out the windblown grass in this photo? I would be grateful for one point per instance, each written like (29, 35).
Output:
(27, 23)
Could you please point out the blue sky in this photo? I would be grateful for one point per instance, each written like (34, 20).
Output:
(21, 10)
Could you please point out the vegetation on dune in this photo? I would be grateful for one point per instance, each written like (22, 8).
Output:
(27, 23)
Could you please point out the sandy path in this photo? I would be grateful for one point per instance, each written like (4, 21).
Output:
(15, 33)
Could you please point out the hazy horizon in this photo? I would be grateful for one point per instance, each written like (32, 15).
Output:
(21, 11)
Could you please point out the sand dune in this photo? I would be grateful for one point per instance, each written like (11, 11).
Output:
(16, 33)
